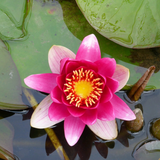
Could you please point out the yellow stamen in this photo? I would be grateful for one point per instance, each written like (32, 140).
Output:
(83, 88)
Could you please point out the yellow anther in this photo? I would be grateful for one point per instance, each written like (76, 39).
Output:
(99, 84)
(72, 99)
(83, 88)
(68, 79)
(99, 89)
(73, 77)
(86, 102)
(96, 92)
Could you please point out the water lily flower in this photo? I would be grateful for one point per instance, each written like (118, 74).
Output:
(81, 91)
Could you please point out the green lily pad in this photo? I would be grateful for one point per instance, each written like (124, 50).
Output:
(148, 151)
(130, 23)
(10, 84)
(45, 28)
(11, 19)
(62, 23)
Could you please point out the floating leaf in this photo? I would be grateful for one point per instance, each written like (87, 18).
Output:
(11, 19)
(45, 28)
(148, 151)
(10, 84)
(130, 23)
(62, 23)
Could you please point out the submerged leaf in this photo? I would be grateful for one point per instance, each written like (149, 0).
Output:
(5, 155)
(6, 137)
(148, 151)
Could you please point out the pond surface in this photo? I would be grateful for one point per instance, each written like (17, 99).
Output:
(32, 29)
(30, 143)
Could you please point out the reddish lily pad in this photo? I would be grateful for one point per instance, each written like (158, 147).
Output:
(10, 84)
(132, 23)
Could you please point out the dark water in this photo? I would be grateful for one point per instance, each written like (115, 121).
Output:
(30, 143)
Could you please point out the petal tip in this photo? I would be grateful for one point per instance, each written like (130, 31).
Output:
(71, 143)
(106, 130)
(91, 35)
(73, 128)
(89, 49)
(26, 80)
(56, 54)
(131, 117)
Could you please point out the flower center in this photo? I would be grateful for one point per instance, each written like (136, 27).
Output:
(83, 87)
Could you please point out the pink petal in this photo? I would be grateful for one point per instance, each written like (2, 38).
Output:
(121, 109)
(75, 111)
(65, 101)
(112, 84)
(61, 80)
(72, 65)
(105, 129)
(89, 117)
(40, 117)
(89, 49)
(73, 128)
(56, 95)
(105, 112)
(62, 64)
(56, 54)
(106, 95)
(106, 66)
(57, 112)
(42, 82)
(89, 65)
(121, 74)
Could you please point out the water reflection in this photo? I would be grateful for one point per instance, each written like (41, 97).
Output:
(28, 140)
(124, 135)
(83, 148)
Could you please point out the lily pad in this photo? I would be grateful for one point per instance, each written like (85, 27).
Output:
(11, 19)
(10, 84)
(148, 151)
(45, 28)
(130, 23)
(80, 28)
(62, 23)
